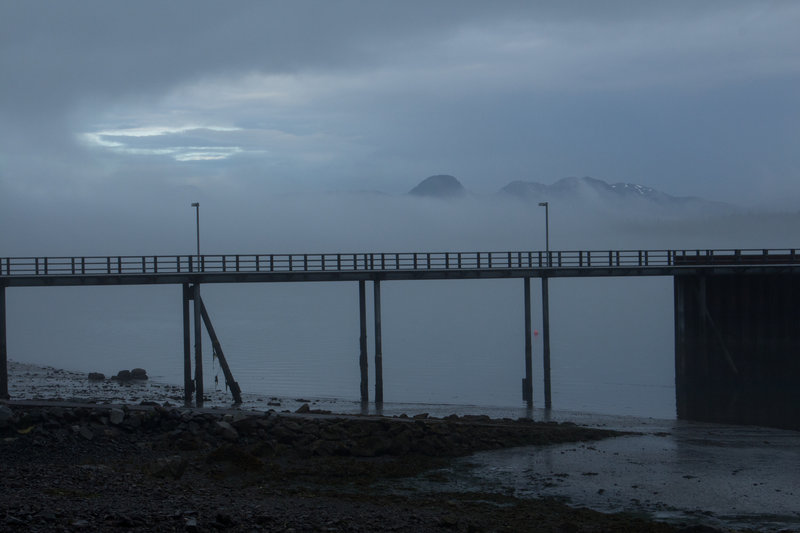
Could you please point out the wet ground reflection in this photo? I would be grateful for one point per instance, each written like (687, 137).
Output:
(724, 476)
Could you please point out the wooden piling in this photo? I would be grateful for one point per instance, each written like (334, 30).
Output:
(198, 347)
(3, 347)
(548, 403)
(378, 343)
(223, 362)
(362, 305)
(187, 348)
(527, 387)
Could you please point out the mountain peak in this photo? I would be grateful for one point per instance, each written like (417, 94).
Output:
(439, 186)
(614, 196)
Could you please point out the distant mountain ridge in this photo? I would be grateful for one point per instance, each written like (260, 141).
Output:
(588, 188)
(574, 189)
(571, 186)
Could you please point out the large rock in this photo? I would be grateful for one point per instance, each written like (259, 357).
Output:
(173, 467)
(227, 431)
(123, 375)
(6, 416)
(139, 373)
(86, 432)
(116, 416)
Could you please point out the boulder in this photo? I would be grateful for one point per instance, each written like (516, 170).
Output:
(97, 376)
(6, 413)
(139, 373)
(116, 416)
(6, 416)
(123, 375)
(227, 431)
(173, 467)
(86, 432)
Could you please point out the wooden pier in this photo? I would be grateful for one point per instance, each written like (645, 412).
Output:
(192, 271)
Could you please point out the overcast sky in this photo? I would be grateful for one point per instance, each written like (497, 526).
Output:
(106, 102)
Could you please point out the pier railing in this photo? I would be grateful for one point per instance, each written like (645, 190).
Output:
(419, 261)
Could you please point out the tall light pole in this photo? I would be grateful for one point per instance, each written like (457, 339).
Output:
(546, 206)
(548, 402)
(198, 335)
(196, 205)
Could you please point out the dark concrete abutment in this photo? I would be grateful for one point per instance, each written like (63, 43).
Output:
(737, 348)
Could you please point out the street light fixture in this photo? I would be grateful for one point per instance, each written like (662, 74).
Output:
(546, 206)
(196, 205)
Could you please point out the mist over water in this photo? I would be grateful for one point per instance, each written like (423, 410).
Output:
(444, 342)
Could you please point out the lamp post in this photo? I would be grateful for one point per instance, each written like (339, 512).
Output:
(196, 205)
(198, 338)
(548, 402)
(546, 206)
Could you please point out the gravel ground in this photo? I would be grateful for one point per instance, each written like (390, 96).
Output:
(153, 468)
(68, 466)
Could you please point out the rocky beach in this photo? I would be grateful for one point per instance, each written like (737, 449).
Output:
(72, 463)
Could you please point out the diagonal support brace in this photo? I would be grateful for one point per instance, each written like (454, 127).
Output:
(232, 384)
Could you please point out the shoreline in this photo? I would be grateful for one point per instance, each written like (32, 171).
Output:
(383, 473)
(158, 465)
(106, 467)
(32, 381)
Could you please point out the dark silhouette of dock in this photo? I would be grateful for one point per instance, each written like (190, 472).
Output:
(737, 345)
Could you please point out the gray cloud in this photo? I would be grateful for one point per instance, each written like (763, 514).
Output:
(693, 99)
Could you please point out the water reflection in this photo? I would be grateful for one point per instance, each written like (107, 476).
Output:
(723, 476)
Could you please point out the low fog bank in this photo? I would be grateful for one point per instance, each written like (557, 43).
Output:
(374, 222)
(444, 342)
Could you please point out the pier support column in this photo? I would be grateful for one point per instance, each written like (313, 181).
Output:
(737, 348)
(3, 347)
(527, 382)
(378, 344)
(187, 348)
(548, 402)
(362, 306)
(198, 346)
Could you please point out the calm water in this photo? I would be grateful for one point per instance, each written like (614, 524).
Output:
(445, 342)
